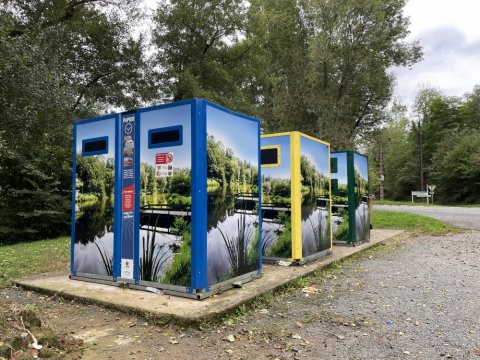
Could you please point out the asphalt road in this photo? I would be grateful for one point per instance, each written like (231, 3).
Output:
(464, 217)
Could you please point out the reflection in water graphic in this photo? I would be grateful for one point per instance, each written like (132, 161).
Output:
(362, 221)
(315, 230)
(228, 246)
(231, 238)
(270, 234)
(93, 221)
(156, 253)
(94, 238)
(95, 257)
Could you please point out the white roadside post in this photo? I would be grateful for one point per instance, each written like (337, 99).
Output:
(431, 188)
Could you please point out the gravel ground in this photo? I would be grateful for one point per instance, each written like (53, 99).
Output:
(412, 298)
(464, 217)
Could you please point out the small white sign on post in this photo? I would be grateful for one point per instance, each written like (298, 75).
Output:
(420, 194)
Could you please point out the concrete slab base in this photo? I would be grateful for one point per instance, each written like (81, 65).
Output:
(164, 307)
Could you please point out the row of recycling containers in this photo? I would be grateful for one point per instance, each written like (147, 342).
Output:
(191, 198)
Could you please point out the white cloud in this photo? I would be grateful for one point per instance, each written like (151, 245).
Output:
(450, 36)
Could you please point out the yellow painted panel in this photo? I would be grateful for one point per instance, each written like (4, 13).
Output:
(315, 139)
(278, 163)
(275, 135)
(330, 197)
(296, 195)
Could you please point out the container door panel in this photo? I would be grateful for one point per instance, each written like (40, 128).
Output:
(164, 230)
(93, 233)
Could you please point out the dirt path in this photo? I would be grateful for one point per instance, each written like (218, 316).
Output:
(415, 298)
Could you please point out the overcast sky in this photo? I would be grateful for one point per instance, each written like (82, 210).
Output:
(449, 32)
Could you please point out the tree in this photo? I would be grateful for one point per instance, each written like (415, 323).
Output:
(327, 64)
(59, 60)
(456, 169)
(196, 44)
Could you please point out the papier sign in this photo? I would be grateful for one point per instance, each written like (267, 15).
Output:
(164, 164)
(128, 196)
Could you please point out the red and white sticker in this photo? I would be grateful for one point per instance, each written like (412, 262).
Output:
(164, 158)
(164, 164)
(127, 199)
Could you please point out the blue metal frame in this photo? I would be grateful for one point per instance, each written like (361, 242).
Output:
(165, 144)
(136, 214)
(260, 245)
(198, 186)
(199, 197)
(74, 193)
(97, 152)
(117, 202)
(74, 178)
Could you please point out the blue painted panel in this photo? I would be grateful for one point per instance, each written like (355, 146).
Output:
(136, 222)
(74, 192)
(87, 142)
(151, 132)
(117, 203)
(199, 196)
(260, 241)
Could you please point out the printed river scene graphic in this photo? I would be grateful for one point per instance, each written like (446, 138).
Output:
(315, 206)
(165, 201)
(276, 200)
(340, 222)
(314, 169)
(93, 245)
(232, 185)
(362, 213)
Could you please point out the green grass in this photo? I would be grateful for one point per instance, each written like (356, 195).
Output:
(33, 258)
(412, 222)
(418, 202)
(421, 202)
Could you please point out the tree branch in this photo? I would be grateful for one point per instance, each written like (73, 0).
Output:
(89, 84)
(69, 13)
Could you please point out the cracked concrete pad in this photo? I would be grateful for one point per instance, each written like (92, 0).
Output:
(184, 309)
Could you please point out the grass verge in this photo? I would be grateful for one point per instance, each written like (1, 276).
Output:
(422, 203)
(407, 203)
(33, 258)
(417, 224)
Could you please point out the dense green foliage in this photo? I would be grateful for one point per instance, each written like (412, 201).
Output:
(95, 176)
(226, 168)
(450, 131)
(59, 60)
(283, 245)
(312, 179)
(317, 66)
(179, 271)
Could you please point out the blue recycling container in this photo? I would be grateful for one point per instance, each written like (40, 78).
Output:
(167, 197)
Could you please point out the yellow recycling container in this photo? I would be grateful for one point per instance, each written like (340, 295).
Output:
(296, 204)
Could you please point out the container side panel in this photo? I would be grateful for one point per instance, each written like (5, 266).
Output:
(340, 222)
(165, 195)
(315, 178)
(128, 207)
(233, 195)
(276, 201)
(94, 191)
(362, 214)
